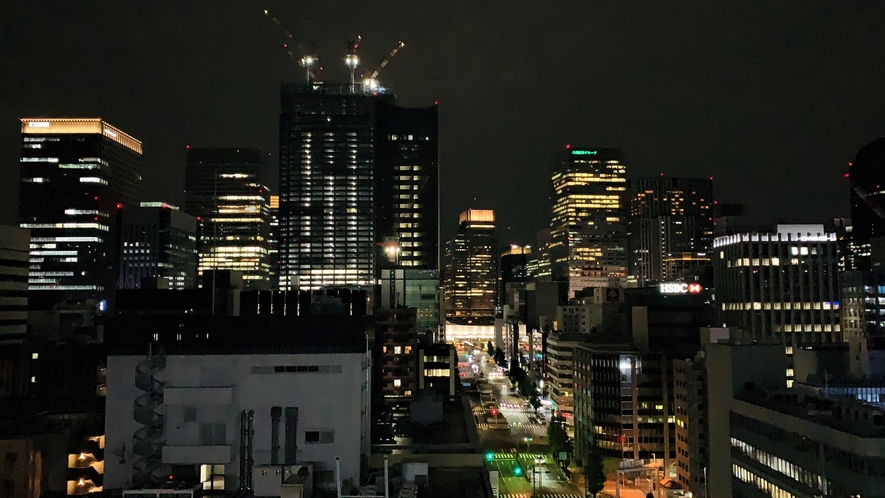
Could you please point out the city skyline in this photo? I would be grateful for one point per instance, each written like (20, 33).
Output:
(705, 104)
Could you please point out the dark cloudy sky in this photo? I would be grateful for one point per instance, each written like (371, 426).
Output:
(770, 98)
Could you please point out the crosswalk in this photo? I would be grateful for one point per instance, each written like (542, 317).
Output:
(486, 426)
(522, 456)
(539, 495)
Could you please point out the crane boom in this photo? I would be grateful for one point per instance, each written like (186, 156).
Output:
(306, 59)
(386, 60)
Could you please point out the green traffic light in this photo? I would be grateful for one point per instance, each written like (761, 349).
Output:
(490, 456)
(517, 471)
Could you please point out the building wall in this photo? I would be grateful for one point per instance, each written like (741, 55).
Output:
(782, 287)
(690, 408)
(20, 469)
(158, 242)
(624, 401)
(203, 398)
(13, 284)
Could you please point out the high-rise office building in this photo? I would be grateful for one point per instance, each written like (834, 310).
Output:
(13, 285)
(866, 176)
(274, 242)
(780, 288)
(157, 242)
(327, 183)
(224, 192)
(589, 219)
(407, 187)
(671, 227)
(74, 174)
(471, 269)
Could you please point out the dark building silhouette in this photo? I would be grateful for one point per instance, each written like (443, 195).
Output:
(866, 177)
(407, 187)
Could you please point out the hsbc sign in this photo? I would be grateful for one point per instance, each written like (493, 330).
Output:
(680, 288)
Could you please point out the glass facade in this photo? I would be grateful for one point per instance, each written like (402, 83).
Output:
(589, 220)
(225, 193)
(413, 288)
(75, 175)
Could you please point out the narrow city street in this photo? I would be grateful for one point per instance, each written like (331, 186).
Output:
(517, 445)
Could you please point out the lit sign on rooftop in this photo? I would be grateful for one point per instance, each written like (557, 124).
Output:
(584, 152)
(680, 288)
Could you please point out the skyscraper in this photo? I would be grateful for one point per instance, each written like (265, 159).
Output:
(589, 219)
(224, 192)
(407, 187)
(327, 175)
(157, 241)
(780, 288)
(671, 227)
(74, 174)
(471, 270)
(866, 176)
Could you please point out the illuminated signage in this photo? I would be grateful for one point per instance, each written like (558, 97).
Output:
(680, 288)
(584, 152)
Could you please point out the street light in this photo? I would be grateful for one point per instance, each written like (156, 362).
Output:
(528, 443)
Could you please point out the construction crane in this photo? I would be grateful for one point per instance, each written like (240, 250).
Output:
(352, 60)
(306, 60)
(371, 80)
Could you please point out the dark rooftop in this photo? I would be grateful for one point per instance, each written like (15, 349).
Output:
(205, 335)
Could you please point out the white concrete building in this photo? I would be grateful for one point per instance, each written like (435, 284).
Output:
(302, 386)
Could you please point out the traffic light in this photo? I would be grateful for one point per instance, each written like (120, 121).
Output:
(494, 412)
(517, 471)
(490, 456)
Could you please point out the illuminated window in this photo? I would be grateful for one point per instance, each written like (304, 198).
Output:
(397, 382)
(212, 476)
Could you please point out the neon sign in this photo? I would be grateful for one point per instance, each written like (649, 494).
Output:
(584, 152)
(680, 288)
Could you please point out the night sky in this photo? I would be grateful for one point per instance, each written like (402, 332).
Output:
(770, 98)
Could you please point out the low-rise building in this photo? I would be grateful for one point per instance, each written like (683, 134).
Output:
(769, 439)
(205, 400)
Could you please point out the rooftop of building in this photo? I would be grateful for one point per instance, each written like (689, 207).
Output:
(233, 335)
(844, 414)
(783, 233)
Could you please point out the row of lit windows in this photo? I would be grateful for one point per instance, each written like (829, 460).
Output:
(780, 465)
(826, 305)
